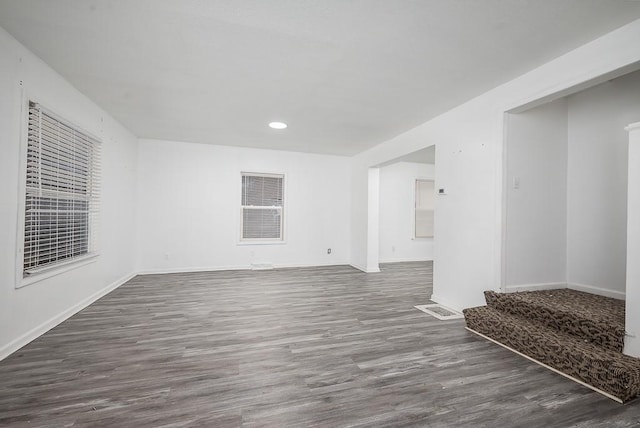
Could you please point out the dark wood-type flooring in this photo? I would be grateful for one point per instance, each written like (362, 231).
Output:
(327, 347)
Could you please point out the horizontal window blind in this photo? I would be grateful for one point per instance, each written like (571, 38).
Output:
(262, 204)
(62, 192)
(424, 208)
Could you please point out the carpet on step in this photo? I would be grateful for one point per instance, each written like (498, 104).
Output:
(612, 372)
(590, 317)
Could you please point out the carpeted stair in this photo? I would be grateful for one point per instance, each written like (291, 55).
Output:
(576, 333)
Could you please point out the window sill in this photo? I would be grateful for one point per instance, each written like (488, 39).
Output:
(57, 270)
(242, 243)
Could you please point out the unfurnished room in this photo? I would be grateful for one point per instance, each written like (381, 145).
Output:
(319, 213)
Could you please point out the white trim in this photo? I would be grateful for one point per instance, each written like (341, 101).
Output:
(282, 208)
(446, 303)
(261, 242)
(572, 285)
(597, 290)
(22, 189)
(57, 269)
(307, 265)
(410, 259)
(156, 271)
(262, 266)
(262, 174)
(415, 207)
(534, 287)
(41, 329)
(353, 265)
(502, 203)
(372, 258)
(632, 126)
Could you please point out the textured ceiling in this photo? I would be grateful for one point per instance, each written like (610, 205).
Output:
(344, 74)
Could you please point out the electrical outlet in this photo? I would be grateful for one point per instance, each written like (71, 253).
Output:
(328, 250)
(166, 256)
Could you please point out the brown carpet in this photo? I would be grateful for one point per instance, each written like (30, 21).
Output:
(577, 333)
(597, 319)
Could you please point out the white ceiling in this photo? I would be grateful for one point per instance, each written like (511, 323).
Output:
(344, 74)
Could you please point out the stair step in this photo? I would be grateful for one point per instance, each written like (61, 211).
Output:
(612, 372)
(590, 317)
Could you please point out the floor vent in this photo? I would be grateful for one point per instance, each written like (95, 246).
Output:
(439, 311)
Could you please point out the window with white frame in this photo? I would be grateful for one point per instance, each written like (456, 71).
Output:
(262, 207)
(424, 208)
(62, 192)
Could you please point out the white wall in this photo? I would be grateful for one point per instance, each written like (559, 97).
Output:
(397, 206)
(597, 183)
(189, 206)
(360, 254)
(632, 315)
(27, 312)
(373, 220)
(536, 210)
(180, 181)
(470, 141)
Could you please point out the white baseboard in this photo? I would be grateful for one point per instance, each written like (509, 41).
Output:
(402, 260)
(38, 331)
(535, 287)
(41, 329)
(155, 271)
(355, 266)
(446, 303)
(572, 285)
(306, 265)
(360, 268)
(631, 345)
(597, 290)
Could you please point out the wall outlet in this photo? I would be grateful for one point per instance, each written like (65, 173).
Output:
(166, 256)
(393, 248)
(328, 250)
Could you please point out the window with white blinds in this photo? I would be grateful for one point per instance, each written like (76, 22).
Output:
(424, 209)
(62, 192)
(262, 205)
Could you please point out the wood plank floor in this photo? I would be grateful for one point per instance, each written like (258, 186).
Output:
(327, 347)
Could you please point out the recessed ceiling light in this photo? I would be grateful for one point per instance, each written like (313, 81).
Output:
(277, 125)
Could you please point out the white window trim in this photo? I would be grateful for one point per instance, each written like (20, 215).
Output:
(284, 209)
(59, 268)
(413, 211)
